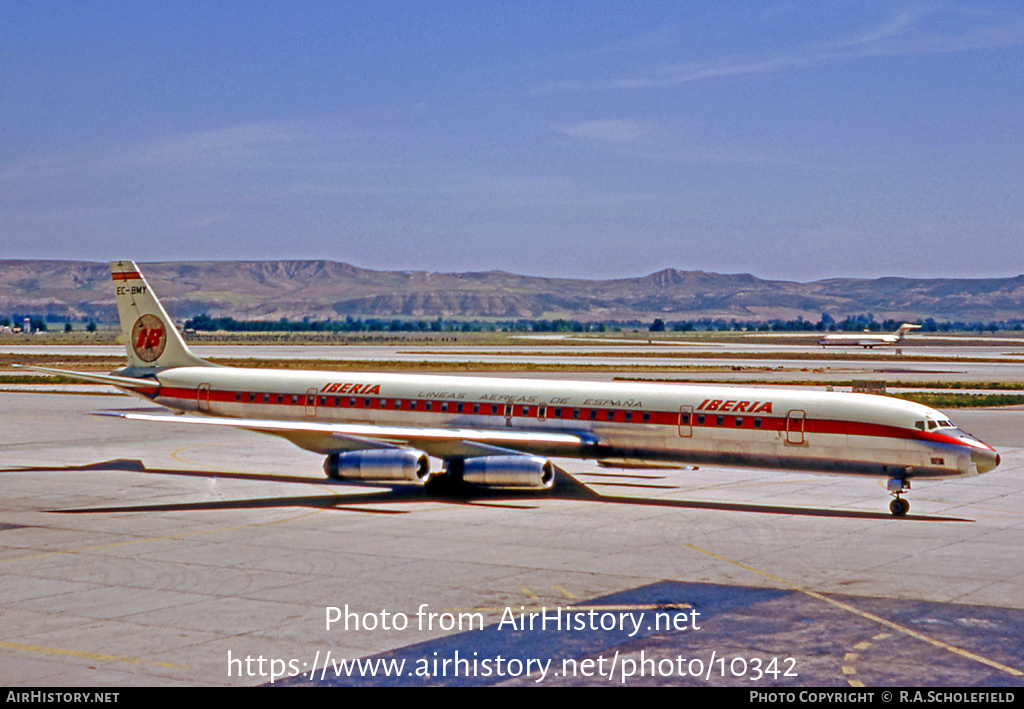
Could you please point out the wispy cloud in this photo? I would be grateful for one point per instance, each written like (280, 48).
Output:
(907, 33)
(266, 157)
(209, 149)
(219, 146)
(652, 141)
(608, 131)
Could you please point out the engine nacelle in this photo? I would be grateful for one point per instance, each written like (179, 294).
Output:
(399, 465)
(509, 471)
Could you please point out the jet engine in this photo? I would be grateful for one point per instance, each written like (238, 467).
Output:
(400, 465)
(509, 471)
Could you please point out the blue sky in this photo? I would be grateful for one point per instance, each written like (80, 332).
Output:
(791, 140)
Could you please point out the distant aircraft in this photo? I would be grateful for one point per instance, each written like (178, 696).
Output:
(498, 432)
(868, 340)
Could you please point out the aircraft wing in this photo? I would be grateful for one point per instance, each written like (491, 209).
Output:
(326, 438)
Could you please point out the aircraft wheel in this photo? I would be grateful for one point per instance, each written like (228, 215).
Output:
(899, 507)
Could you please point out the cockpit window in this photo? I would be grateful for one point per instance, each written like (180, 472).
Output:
(932, 425)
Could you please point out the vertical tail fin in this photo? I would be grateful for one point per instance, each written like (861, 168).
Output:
(150, 338)
(905, 328)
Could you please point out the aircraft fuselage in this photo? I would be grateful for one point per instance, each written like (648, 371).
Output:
(615, 423)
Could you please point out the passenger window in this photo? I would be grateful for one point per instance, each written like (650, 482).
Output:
(647, 416)
(739, 422)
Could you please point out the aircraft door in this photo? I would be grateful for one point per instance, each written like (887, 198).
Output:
(508, 415)
(795, 426)
(203, 397)
(686, 421)
(311, 401)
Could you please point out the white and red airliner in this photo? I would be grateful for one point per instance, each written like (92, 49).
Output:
(502, 432)
(868, 340)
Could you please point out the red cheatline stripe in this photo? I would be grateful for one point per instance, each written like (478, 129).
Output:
(664, 418)
(126, 276)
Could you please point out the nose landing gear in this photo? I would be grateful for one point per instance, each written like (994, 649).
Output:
(897, 486)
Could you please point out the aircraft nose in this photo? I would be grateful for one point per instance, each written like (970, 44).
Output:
(985, 460)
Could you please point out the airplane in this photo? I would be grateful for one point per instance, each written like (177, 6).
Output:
(502, 433)
(868, 340)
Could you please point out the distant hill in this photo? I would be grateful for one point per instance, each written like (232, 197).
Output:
(320, 290)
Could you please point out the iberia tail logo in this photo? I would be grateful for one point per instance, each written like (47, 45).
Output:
(149, 338)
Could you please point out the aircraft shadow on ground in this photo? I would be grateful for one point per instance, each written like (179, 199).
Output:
(566, 488)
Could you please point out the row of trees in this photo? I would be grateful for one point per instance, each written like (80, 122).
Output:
(855, 323)
(39, 323)
(825, 324)
(350, 324)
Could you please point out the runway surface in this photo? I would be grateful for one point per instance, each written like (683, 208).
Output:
(140, 554)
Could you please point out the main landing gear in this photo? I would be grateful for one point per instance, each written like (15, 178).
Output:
(897, 486)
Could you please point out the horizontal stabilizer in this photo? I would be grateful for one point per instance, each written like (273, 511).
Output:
(124, 382)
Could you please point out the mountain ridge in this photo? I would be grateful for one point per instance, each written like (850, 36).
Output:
(322, 289)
